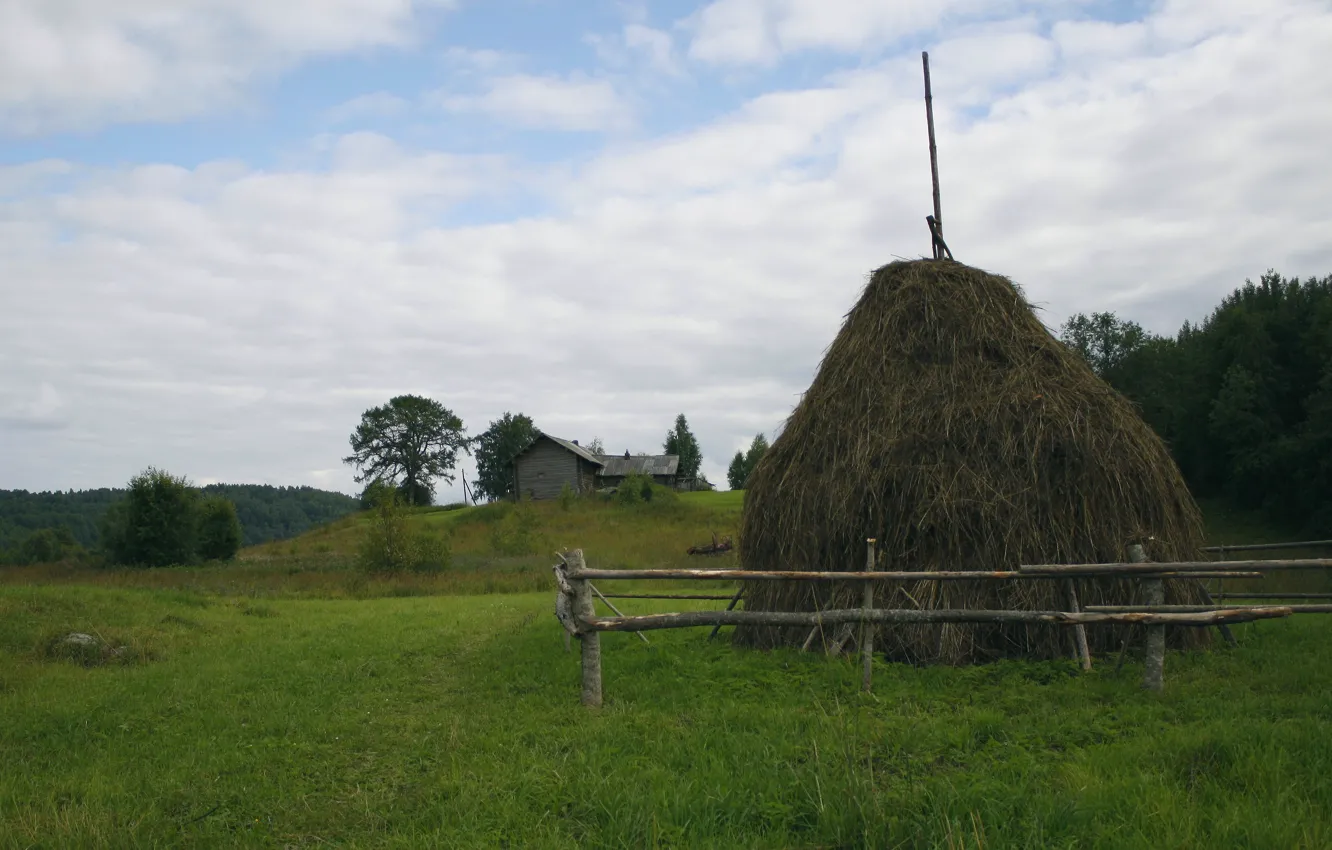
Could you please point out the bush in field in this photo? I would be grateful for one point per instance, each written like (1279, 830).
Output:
(566, 497)
(163, 521)
(219, 533)
(156, 526)
(391, 544)
(516, 533)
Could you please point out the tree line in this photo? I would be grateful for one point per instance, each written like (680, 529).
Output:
(1243, 398)
(49, 526)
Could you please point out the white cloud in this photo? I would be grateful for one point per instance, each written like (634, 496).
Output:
(576, 102)
(83, 63)
(367, 107)
(760, 31)
(230, 323)
(638, 45)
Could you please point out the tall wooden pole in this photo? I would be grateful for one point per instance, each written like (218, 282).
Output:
(934, 153)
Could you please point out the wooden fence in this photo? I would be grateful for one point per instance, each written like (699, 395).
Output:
(575, 605)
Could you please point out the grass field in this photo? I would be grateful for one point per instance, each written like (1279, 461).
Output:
(258, 714)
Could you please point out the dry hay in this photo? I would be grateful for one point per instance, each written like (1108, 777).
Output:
(948, 423)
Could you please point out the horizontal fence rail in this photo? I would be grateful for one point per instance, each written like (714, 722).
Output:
(1269, 547)
(1193, 616)
(1185, 609)
(1174, 566)
(1212, 570)
(574, 603)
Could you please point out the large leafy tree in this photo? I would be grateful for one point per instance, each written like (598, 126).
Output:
(495, 448)
(1104, 340)
(411, 441)
(681, 441)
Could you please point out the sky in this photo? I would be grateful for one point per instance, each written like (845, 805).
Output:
(228, 227)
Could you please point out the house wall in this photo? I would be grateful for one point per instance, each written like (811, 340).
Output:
(616, 480)
(544, 469)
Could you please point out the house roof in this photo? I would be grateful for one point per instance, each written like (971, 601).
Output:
(565, 444)
(642, 464)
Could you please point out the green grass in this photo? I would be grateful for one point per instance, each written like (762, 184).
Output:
(454, 722)
(321, 563)
(291, 701)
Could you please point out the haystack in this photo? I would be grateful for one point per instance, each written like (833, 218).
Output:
(948, 423)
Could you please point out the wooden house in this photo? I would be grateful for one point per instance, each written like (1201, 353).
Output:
(544, 467)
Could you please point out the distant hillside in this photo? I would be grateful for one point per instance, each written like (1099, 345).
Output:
(266, 512)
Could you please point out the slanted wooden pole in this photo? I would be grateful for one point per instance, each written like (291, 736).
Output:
(867, 628)
(1225, 631)
(1079, 631)
(585, 611)
(734, 599)
(616, 611)
(937, 228)
(1153, 673)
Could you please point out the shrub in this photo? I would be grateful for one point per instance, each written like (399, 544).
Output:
(391, 544)
(219, 532)
(566, 497)
(516, 533)
(156, 526)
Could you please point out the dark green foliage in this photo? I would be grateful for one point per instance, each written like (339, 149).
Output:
(639, 489)
(681, 441)
(22, 513)
(495, 448)
(744, 463)
(276, 513)
(44, 546)
(159, 523)
(1244, 399)
(265, 512)
(736, 473)
(219, 529)
(410, 441)
(634, 488)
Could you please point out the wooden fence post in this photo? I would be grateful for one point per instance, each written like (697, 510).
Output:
(1153, 673)
(1079, 631)
(866, 627)
(591, 640)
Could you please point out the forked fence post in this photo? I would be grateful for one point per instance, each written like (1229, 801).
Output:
(1153, 673)
(866, 627)
(584, 611)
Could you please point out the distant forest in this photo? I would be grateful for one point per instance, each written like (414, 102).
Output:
(1244, 399)
(266, 512)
